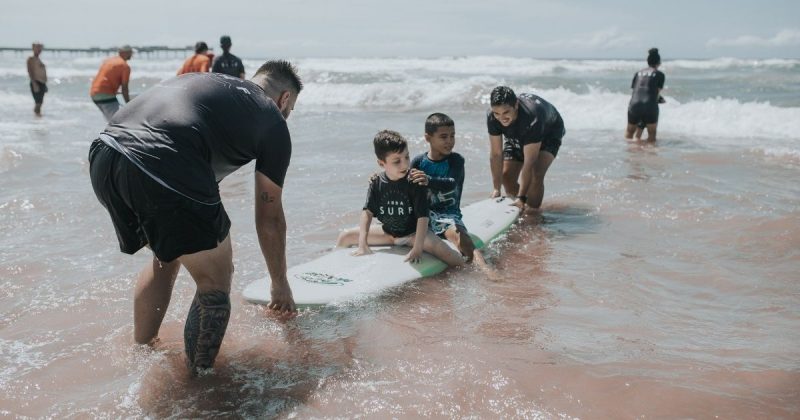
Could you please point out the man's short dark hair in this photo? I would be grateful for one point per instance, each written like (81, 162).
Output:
(503, 95)
(200, 47)
(388, 141)
(436, 120)
(281, 76)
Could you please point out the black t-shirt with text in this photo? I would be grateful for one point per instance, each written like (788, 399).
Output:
(397, 204)
(193, 130)
(537, 120)
(229, 64)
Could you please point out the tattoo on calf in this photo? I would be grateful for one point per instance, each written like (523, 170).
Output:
(205, 327)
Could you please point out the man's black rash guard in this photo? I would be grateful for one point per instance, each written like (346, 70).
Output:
(191, 131)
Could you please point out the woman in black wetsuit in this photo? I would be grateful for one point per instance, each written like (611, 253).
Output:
(643, 108)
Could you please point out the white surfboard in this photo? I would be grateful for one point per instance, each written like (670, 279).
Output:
(338, 276)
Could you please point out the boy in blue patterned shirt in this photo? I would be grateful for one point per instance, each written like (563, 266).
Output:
(445, 175)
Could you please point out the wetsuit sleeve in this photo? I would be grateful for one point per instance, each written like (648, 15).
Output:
(660, 79)
(633, 81)
(457, 171)
(372, 195)
(276, 151)
(493, 125)
(215, 65)
(441, 183)
(420, 199)
(241, 67)
(417, 161)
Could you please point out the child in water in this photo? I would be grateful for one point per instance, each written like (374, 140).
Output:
(444, 170)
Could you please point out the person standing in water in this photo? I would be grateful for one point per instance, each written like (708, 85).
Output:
(227, 63)
(38, 76)
(525, 134)
(200, 62)
(647, 84)
(113, 74)
(156, 168)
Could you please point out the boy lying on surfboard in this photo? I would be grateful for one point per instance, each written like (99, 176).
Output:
(400, 205)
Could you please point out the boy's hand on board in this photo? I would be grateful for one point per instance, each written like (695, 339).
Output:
(413, 255)
(362, 251)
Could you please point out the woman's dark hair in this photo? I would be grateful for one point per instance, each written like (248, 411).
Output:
(653, 58)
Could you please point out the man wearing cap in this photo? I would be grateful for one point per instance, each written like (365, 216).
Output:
(200, 62)
(228, 63)
(38, 76)
(114, 74)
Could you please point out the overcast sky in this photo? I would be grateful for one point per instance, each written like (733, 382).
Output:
(418, 28)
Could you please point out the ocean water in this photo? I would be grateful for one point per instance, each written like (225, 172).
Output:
(659, 281)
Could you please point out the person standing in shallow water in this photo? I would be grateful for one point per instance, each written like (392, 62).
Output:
(525, 134)
(200, 62)
(38, 75)
(156, 169)
(113, 75)
(647, 84)
(227, 63)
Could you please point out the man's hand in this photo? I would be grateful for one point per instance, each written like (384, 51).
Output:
(418, 177)
(281, 299)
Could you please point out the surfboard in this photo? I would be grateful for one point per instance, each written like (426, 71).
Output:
(339, 276)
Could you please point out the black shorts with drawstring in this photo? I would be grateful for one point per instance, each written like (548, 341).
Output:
(512, 149)
(146, 213)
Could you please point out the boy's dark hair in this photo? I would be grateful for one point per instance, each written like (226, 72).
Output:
(436, 120)
(503, 95)
(388, 141)
(653, 57)
(281, 75)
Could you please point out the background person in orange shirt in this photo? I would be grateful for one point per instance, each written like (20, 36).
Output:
(114, 74)
(200, 62)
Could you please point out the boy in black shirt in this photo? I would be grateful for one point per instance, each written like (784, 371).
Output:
(400, 205)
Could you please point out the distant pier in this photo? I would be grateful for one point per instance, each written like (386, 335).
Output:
(147, 50)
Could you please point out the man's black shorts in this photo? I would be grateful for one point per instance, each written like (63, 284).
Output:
(512, 150)
(642, 114)
(146, 213)
(38, 97)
